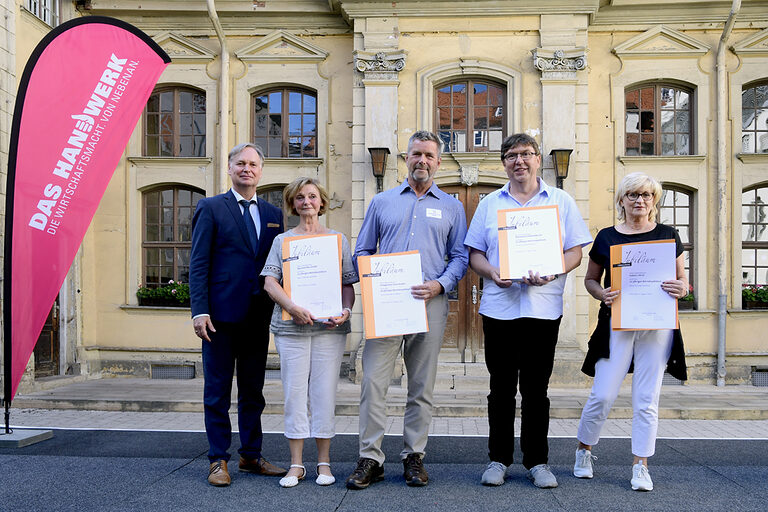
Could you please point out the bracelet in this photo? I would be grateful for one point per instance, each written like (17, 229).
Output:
(347, 309)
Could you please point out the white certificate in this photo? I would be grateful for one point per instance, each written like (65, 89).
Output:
(312, 273)
(389, 309)
(638, 270)
(529, 239)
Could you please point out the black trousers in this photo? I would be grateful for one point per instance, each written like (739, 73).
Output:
(519, 351)
(242, 345)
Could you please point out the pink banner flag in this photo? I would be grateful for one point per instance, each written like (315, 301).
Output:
(79, 99)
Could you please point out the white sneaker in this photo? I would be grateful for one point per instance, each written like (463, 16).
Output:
(641, 479)
(583, 466)
(542, 476)
(494, 474)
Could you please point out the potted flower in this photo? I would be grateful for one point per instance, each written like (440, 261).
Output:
(687, 302)
(173, 294)
(754, 296)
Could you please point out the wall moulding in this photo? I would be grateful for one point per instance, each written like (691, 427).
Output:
(753, 46)
(661, 41)
(281, 46)
(180, 48)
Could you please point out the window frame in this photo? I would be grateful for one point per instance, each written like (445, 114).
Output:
(470, 108)
(690, 245)
(753, 244)
(162, 244)
(176, 133)
(43, 9)
(756, 131)
(285, 114)
(657, 133)
(289, 221)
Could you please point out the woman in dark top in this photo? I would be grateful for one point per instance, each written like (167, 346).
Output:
(612, 354)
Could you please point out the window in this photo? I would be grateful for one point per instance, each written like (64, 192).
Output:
(481, 114)
(754, 119)
(274, 196)
(174, 123)
(168, 234)
(46, 10)
(285, 123)
(675, 209)
(659, 121)
(754, 236)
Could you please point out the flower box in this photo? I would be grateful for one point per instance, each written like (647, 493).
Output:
(754, 304)
(162, 302)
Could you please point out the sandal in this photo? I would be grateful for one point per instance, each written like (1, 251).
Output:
(324, 479)
(293, 481)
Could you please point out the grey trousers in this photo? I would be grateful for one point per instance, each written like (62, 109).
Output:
(420, 352)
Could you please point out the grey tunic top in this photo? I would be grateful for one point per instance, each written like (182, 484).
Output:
(274, 268)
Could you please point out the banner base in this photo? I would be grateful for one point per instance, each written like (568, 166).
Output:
(19, 438)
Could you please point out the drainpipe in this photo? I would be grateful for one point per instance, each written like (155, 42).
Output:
(722, 193)
(222, 145)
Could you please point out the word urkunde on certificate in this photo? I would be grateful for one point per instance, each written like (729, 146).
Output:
(389, 309)
(638, 269)
(530, 239)
(312, 273)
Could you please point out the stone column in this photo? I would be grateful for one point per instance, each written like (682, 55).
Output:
(377, 62)
(562, 60)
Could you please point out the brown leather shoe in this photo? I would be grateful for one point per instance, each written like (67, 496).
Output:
(366, 472)
(218, 474)
(260, 466)
(413, 471)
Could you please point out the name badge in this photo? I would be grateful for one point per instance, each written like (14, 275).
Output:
(434, 213)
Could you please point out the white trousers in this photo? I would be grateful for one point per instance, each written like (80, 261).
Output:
(651, 351)
(309, 369)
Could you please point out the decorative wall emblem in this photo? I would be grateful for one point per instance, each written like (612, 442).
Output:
(559, 60)
(469, 174)
(383, 65)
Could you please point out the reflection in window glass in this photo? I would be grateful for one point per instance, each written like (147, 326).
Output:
(658, 121)
(754, 119)
(754, 224)
(481, 113)
(167, 235)
(675, 210)
(285, 123)
(174, 123)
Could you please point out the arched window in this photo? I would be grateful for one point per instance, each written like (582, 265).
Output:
(46, 10)
(285, 123)
(174, 123)
(274, 196)
(167, 236)
(470, 115)
(754, 235)
(754, 119)
(659, 120)
(676, 210)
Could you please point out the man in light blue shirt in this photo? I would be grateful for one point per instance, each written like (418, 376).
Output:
(521, 319)
(414, 216)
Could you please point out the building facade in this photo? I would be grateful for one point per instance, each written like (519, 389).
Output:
(627, 85)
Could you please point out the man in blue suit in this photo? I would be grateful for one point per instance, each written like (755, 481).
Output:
(231, 237)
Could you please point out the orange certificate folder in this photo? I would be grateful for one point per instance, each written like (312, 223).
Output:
(637, 270)
(530, 239)
(312, 273)
(389, 309)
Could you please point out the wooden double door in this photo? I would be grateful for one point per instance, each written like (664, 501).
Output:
(464, 330)
(47, 347)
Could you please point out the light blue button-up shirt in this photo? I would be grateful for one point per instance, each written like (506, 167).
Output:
(521, 300)
(434, 224)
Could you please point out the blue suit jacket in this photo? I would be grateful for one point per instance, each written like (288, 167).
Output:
(224, 270)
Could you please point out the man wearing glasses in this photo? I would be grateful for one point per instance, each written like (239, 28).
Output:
(521, 318)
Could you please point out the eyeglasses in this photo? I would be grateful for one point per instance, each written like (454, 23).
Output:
(646, 196)
(526, 155)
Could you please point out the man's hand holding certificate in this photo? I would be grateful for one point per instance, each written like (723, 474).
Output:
(638, 270)
(389, 307)
(530, 240)
(312, 273)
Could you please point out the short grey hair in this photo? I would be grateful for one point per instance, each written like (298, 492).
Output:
(635, 182)
(239, 149)
(426, 136)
